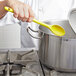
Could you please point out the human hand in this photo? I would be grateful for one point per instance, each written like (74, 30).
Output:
(22, 11)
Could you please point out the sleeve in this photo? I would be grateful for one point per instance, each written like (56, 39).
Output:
(8, 19)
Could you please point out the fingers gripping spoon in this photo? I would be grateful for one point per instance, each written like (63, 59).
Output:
(56, 29)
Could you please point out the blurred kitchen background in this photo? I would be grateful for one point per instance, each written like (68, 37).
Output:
(16, 59)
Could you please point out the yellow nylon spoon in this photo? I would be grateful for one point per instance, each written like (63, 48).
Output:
(56, 29)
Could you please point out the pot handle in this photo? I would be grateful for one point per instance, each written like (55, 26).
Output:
(28, 28)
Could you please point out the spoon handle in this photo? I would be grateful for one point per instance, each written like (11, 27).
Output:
(34, 20)
(41, 23)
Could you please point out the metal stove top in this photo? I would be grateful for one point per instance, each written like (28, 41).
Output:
(25, 63)
(19, 63)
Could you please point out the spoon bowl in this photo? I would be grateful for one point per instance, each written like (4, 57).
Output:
(57, 30)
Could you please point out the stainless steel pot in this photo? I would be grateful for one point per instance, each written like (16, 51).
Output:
(56, 52)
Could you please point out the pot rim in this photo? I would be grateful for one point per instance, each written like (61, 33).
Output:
(57, 36)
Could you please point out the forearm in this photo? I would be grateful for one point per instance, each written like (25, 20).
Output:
(2, 11)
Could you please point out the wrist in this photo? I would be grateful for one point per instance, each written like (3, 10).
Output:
(2, 12)
(3, 4)
(7, 2)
